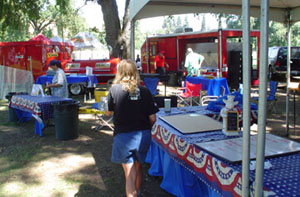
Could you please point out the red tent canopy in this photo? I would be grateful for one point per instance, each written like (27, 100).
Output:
(40, 37)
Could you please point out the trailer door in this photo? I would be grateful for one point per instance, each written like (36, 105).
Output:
(153, 47)
(14, 57)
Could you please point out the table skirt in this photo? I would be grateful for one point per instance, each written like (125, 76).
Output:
(177, 180)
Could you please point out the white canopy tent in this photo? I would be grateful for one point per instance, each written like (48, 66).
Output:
(284, 11)
(56, 39)
(140, 9)
(87, 46)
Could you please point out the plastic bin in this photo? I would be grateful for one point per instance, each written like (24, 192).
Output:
(100, 92)
(66, 120)
(173, 79)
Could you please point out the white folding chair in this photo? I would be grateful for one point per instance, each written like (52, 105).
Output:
(99, 112)
(104, 120)
(205, 100)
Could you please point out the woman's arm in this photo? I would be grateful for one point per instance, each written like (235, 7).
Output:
(59, 83)
(152, 119)
(53, 85)
(108, 113)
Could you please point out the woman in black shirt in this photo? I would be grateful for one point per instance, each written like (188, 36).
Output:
(133, 111)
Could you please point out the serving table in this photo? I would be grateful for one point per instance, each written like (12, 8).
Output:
(39, 107)
(89, 79)
(188, 170)
(213, 86)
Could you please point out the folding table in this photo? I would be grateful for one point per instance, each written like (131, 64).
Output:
(40, 107)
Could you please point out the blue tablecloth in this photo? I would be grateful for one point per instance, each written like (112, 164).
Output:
(91, 79)
(213, 86)
(39, 106)
(189, 171)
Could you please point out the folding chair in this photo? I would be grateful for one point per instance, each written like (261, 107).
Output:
(206, 99)
(99, 112)
(189, 94)
(103, 119)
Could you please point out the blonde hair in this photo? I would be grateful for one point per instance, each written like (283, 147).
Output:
(127, 75)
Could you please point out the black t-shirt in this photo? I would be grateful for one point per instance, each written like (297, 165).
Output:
(131, 111)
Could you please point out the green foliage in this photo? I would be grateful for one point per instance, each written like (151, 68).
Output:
(178, 22)
(98, 34)
(12, 18)
(277, 34)
(234, 22)
(295, 34)
(186, 22)
(202, 18)
(70, 23)
(21, 20)
(140, 36)
(169, 24)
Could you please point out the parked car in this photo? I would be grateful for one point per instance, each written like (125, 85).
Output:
(278, 60)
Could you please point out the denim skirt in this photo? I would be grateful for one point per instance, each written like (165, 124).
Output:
(131, 146)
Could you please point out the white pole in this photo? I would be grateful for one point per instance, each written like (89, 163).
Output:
(220, 51)
(262, 102)
(288, 74)
(132, 38)
(246, 97)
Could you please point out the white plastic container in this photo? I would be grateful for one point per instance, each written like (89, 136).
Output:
(167, 105)
(88, 71)
(218, 73)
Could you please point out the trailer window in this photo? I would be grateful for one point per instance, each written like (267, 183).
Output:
(254, 46)
(102, 65)
(209, 51)
(73, 66)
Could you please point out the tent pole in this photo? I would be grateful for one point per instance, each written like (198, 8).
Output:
(246, 97)
(288, 74)
(262, 101)
(132, 38)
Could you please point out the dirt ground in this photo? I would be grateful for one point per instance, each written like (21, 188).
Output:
(44, 166)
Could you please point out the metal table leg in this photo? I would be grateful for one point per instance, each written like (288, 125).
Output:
(294, 110)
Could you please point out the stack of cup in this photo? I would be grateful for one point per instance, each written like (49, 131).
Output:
(167, 105)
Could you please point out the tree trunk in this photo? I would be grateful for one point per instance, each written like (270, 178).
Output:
(116, 37)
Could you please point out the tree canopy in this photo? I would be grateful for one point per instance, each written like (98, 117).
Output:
(20, 20)
(117, 31)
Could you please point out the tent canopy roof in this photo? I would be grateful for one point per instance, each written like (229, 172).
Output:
(86, 40)
(40, 37)
(278, 9)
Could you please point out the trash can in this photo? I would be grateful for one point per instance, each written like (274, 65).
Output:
(65, 117)
(100, 92)
(12, 116)
(173, 79)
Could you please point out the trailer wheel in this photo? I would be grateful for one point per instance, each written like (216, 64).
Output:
(76, 89)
